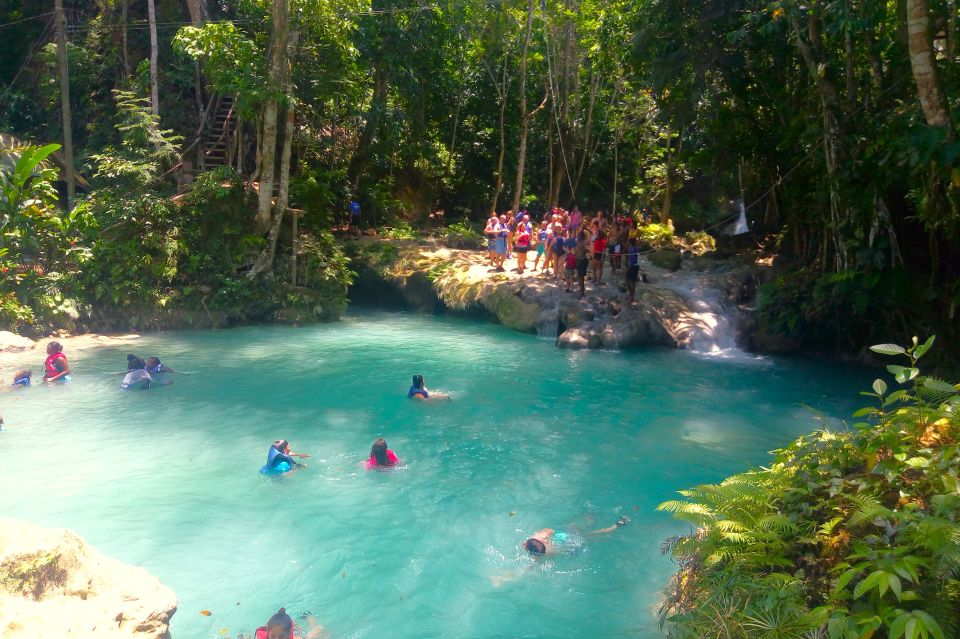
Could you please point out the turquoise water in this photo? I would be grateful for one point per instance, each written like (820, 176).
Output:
(167, 478)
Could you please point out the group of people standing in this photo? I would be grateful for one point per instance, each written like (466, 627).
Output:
(569, 244)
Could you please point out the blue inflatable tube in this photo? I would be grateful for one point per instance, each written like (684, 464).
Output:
(281, 468)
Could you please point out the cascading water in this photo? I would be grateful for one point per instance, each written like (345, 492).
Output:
(711, 327)
(741, 226)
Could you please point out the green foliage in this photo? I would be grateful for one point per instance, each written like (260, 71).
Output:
(145, 147)
(837, 312)
(39, 242)
(400, 231)
(845, 535)
(461, 235)
(655, 236)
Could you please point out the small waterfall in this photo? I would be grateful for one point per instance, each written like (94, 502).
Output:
(741, 226)
(710, 325)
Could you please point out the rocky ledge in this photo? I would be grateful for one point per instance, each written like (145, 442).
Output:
(675, 306)
(53, 584)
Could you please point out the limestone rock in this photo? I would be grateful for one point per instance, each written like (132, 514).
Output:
(13, 343)
(53, 584)
(510, 310)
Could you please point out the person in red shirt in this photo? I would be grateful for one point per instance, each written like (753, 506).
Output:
(381, 456)
(599, 248)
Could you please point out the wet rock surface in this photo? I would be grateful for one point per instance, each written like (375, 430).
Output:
(54, 584)
(686, 304)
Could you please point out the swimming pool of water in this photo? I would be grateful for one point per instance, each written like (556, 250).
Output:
(167, 478)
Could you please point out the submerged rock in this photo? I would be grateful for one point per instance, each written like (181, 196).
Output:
(53, 584)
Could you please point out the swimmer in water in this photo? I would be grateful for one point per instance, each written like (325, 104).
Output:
(548, 541)
(381, 456)
(420, 392)
(56, 367)
(21, 378)
(153, 365)
(280, 453)
(280, 626)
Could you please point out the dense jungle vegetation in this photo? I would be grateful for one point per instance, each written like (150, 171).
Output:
(198, 126)
(847, 534)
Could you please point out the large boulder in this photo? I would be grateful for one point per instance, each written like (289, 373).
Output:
(511, 311)
(658, 317)
(669, 259)
(13, 343)
(53, 584)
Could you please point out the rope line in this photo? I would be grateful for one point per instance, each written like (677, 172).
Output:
(39, 15)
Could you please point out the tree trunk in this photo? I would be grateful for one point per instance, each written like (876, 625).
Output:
(364, 146)
(668, 190)
(811, 50)
(65, 103)
(197, 10)
(123, 35)
(268, 143)
(525, 117)
(154, 92)
(922, 62)
(851, 75)
(502, 87)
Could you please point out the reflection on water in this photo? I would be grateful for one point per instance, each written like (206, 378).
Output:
(167, 478)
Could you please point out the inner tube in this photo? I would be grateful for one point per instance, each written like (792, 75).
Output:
(137, 379)
(279, 469)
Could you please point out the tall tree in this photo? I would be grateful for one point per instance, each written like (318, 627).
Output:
(922, 62)
(268, 138)
(154, 92)
(524, 116)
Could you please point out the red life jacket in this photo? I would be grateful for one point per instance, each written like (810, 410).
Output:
(263, 633)
(48, 364)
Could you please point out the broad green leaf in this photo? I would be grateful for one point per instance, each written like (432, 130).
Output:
(870, 582)
(910, 630)
(951, 483)
(929, 623)
(899, 625)
(923, 348)
(879, 386)
(895, 585)
(888, 349)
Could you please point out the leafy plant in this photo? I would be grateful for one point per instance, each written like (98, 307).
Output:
(845, 535)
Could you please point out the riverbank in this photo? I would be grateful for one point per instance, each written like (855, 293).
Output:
(21, 352)
(697, 303)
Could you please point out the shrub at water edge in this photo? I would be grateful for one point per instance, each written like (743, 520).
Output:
(845, 535)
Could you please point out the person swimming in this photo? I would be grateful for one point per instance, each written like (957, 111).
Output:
(381, 456)
(280, 459)
(153, 366)
(420, 392)
(55, 367)
(280, 626)
(548, 541)
(22, 378)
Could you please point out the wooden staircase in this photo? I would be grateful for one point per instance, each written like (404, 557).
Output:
(217, 143)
